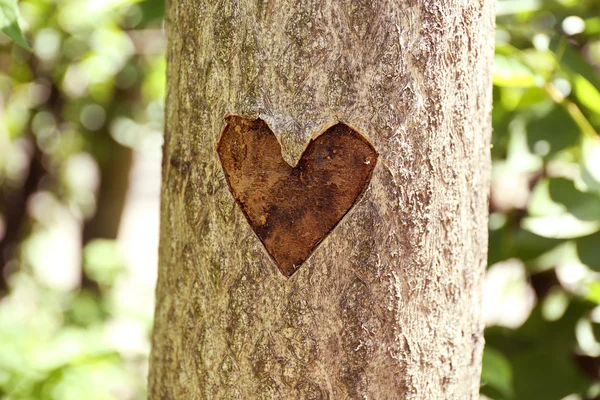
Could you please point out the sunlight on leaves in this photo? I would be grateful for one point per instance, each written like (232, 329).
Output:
(9, 22)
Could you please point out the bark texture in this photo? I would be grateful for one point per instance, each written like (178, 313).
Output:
(388, 305)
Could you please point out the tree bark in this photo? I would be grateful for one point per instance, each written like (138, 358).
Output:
(388, 305)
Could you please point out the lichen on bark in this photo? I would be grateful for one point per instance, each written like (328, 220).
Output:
(388, 306)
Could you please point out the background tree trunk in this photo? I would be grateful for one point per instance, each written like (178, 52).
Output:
(388, 306)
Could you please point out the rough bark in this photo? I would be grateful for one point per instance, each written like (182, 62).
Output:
(388, 305)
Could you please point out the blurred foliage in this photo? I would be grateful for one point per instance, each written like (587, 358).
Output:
(9, 22)
(75, 102)
(545, 199)
(86, 88)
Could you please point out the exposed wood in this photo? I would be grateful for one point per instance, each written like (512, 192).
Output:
(388, 305)
(293, 209)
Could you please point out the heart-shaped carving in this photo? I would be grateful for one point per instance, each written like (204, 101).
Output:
(292, 210)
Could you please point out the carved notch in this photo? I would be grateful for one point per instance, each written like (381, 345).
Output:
(292, 210)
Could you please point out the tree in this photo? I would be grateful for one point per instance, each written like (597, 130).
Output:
(387, 305)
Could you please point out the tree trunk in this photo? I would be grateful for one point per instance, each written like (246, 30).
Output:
(388, 304)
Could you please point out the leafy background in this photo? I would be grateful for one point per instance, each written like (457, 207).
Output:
(81, 100)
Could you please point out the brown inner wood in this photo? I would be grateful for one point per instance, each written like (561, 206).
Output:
(292, 210)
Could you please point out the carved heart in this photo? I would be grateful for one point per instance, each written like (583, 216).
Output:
(291, 210)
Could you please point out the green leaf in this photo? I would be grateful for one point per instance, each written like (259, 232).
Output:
(558, 210)
(593, 295)
(532, 96)
(547, 373)
(541, 203)
(153, 10)
(103, 261)
(544, 368)
(596, 330)
(584, 206)
(564, 253)
(500, 248)
(571, 60)
(507, 7)
(497, 372)
(587, 251)
(9, 22)
(590, 162)
(564, 226)
(509, 71)
(587, 94)
(592, 26)
(529, 246)
(551, 125)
